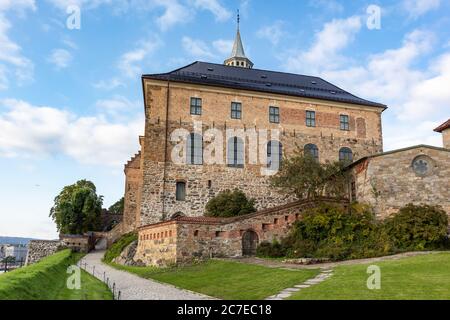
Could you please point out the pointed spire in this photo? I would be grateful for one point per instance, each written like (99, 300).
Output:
(238, 57)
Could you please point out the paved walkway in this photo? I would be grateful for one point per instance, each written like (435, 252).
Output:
(132, 287)
(286, 293)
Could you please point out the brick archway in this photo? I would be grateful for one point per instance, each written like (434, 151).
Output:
(250, 241)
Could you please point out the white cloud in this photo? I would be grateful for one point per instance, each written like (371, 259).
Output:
(330, 5)
(109, 84)
(130, 62)
(30, 131)
(417, 8)
(117, 106)
(223, 46)
(334, 36)
(220, 12)
(174, 13)
(417, 97)
(12, 61)
(196, 48)
(273, 32)
(61, 58)
(17, 5)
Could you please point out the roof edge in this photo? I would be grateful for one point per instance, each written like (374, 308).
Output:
(396, 151)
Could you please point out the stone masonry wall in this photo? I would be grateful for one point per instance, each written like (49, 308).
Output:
(39, 249)
(159, 174)
(388, 182)
(188, 238)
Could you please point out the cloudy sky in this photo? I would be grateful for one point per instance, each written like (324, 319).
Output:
(71, 102)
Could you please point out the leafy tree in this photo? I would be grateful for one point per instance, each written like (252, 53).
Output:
(9, 259)
(305, 177)
(77, 208)
(229, 204)
(117, 208)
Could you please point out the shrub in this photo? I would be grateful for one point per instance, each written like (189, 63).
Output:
(418, 227)
(229, 204)
(331, 231)
(270, 250)
(117, 247)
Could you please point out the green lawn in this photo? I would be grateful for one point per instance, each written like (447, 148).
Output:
(226, 279)
(420, 277)
(46, 280)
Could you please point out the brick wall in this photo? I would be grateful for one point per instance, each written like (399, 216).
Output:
(187, 238)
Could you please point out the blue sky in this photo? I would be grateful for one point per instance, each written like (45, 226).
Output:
(71, 101)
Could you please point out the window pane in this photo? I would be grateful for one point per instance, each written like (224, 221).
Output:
(313, 150)
(194, 149)
(345, 122)
(346, 154)
(181, 191)
(274, 114)
(196, 106)
(274, 154)
(310, 118)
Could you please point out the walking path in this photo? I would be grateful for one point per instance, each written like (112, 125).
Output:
(286, 293)
(132, 287)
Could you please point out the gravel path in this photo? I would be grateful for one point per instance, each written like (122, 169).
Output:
(132, 287)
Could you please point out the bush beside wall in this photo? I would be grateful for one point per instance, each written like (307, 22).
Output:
(332, 232)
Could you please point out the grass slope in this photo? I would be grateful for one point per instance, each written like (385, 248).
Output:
(420, 277)
(46, 280)
(226, 279)
(117, 247)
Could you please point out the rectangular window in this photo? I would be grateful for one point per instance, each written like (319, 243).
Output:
(345, 125)
(310, 118)
(196, 106)
(181, 191)
(236, 110)
(274, 115)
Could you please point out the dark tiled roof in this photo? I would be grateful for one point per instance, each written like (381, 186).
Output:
(443, 126)
(261, 80)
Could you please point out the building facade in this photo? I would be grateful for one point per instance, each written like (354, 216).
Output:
(246, 120)
(391, 180)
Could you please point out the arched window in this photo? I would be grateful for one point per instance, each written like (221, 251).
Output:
(346, 154)
(235, 152)
(312, 150)
(194, 149)
(274, 154)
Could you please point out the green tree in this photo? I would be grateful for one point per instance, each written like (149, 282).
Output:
(77, 208)
(229, 204)
(305, 177)
(117, 208)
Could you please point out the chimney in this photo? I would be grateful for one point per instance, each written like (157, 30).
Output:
(444, 129)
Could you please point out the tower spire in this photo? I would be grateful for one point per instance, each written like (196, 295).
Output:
(238, 58)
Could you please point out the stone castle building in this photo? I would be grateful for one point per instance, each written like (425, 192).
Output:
(307, 112)
(165, 197)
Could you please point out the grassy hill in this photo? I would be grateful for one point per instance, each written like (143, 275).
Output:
(46, 280)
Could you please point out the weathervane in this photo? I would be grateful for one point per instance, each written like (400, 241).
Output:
(238, 18)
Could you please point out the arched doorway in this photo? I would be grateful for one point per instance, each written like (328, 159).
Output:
(249, 243)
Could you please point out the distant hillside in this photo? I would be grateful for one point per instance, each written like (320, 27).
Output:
(14, 240)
